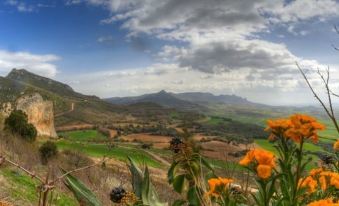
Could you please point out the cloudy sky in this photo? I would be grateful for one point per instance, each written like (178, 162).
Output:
(130, 47)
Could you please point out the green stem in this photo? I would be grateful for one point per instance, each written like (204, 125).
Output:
(298, 172)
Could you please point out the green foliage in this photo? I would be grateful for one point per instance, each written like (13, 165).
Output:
(22, 188)
(17, 123)
(47, 151)
(188, 172)
(142, 185)
(84, 195)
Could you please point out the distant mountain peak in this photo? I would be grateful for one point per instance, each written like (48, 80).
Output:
(24, 76)
(163, 92)
(16, 72)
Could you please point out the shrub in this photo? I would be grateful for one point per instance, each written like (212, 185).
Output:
(47, 151)
(17, 123)
(146, 146)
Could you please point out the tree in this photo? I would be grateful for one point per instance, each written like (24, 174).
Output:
(17, 123)
(47, 151)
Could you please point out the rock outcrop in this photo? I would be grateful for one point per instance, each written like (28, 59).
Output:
(40, 113)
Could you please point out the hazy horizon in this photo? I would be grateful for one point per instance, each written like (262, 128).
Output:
(114, 48)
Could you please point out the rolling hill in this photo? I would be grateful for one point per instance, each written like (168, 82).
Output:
(229, 106)
(87, 109)
(162, 98)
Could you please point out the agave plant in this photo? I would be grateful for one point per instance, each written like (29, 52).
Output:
(84, 195)
(142, 185)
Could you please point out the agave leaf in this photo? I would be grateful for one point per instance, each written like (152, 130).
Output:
(84, 195)
(179, 183)
(172, 172)
(192, 197)
(142, 185)
(149, 195)
(137, 177)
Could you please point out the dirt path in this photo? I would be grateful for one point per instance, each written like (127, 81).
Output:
(154, 156)
(158, 158)
(66, 112)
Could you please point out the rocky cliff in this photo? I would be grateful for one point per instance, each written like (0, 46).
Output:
(40, 113)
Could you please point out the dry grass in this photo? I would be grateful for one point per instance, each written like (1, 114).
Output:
(72, 127)
(221, 150)
(4, 203)
(157, 141)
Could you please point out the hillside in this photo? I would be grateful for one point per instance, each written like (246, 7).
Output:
(73, 108)
(162, 98)
(209, 98)
(228, 106)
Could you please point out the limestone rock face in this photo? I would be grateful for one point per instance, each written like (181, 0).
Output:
(6, 109)
(40, 113)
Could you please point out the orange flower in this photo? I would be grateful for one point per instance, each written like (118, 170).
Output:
(218, 185)
(325, 178)
(309, 183)
(264, 160)
(264, 171)
(325, 202)
(323, 183)
(316, 171)
(334, 180)
(336, 146)
(249, 157)
(264, 157)
(278, 125)
(296, 127)
(304, 126)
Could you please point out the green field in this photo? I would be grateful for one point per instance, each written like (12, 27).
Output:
(23, 188)
(101, 150)
(330, 135)
(265, 144)
(83, 135)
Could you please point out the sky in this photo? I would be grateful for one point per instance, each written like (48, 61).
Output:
(131, 47)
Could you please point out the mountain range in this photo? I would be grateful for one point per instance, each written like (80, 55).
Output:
(189, 101)
(92, 109)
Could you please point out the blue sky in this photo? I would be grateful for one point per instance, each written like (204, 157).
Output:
(130, 47)
(72, 33)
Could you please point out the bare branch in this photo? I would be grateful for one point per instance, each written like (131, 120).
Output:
(336, 29)
(77, 170)
(329, 111)
(31, 174)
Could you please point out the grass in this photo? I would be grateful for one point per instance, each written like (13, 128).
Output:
(265, 144)
(220, 164)
(83, 135)
(215, 120)
(330, 135)
(101, 150)
(82, 140)
(23, 188)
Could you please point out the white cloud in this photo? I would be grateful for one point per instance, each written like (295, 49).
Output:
(174, 78)
(178, 19)
(223, 50)
(21, 6)
(303, 10)
(105, 39)
(39, 64)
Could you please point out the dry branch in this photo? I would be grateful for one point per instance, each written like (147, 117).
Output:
(326, 80)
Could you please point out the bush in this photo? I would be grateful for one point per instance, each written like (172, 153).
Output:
(47, 151)
(146, 146)
(17, 123)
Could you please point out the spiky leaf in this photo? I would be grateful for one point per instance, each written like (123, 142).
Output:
(84, 195)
